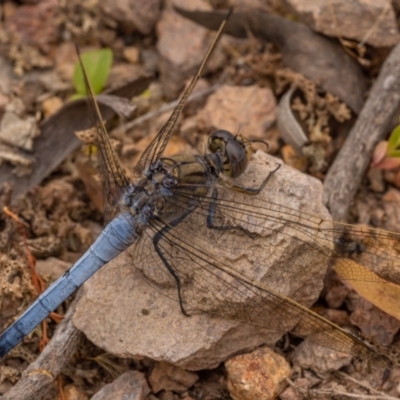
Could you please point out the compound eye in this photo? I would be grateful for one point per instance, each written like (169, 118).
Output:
(218, 139)
(234, 151)
(237, 157)
(223, 135)
(215, 144)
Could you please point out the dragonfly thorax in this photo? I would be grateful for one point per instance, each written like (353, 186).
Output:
(146, 197)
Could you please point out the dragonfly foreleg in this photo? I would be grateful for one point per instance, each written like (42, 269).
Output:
(156, 240)
(250, 191)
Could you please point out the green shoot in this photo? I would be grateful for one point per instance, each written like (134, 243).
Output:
(97, 64)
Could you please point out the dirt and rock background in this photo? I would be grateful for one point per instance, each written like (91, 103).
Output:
(299, 75)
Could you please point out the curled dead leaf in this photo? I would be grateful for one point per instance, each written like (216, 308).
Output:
(289, 127)
(316, 57)
(57, 139)
(383, 294)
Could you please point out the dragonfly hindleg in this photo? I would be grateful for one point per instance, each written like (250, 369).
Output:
(211, 215)
(156, 240)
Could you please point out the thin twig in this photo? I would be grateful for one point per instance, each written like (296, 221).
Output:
(372, 125)
(298, 389)
(319, 392)
(331, 392)
(355, 50)
(364, 385)
(375, 25)
(38, 377)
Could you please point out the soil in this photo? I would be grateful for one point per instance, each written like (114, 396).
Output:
(51, 225)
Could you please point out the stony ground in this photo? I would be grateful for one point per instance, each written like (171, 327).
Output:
(51, 196)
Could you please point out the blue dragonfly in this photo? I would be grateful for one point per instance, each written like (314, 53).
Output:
(170, 192)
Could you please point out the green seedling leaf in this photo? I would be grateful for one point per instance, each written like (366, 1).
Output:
(394, 140)
(393, 153)
(76, 96)
(97, 64)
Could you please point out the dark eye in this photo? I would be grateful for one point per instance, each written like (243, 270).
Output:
(222, 135)
(218, 140)
(234, 151)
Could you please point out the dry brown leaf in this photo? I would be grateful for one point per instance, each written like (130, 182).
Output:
(383, 294)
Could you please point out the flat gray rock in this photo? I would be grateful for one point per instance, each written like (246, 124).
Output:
(130, 385)
(182, 45)
(369, 21)
(253, 106)
(319, 359)
(132, 15)
(125, 312)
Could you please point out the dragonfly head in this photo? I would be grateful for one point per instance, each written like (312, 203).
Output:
(234, 150)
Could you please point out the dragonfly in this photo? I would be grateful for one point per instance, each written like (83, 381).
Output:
(169, 194)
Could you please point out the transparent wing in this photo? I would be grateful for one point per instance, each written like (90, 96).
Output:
(214, 266)
(158, 144)
(309, 237)
(113, 176)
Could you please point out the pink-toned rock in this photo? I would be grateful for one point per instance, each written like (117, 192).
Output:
(18, 132)
(71, 392)
(51, 105)
(376, 181)
(131, 385)
(249, 4)
(167, 377)
(391, 206)
(248, 109)
(182, 45)
(138, 15)
(375, 325)
(65, 58)
(167, 395)
(121, 73)
(130, 307)
(132, 54)
(335, 290)
(257, 375)
(35, 24)
(298, 391)
(338, 317)
(52, 267)
(319, 359)
(370, 21)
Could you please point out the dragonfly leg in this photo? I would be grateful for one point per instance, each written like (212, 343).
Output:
(156, 239)
(250, 191)
(241, 189)
(211, 214)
